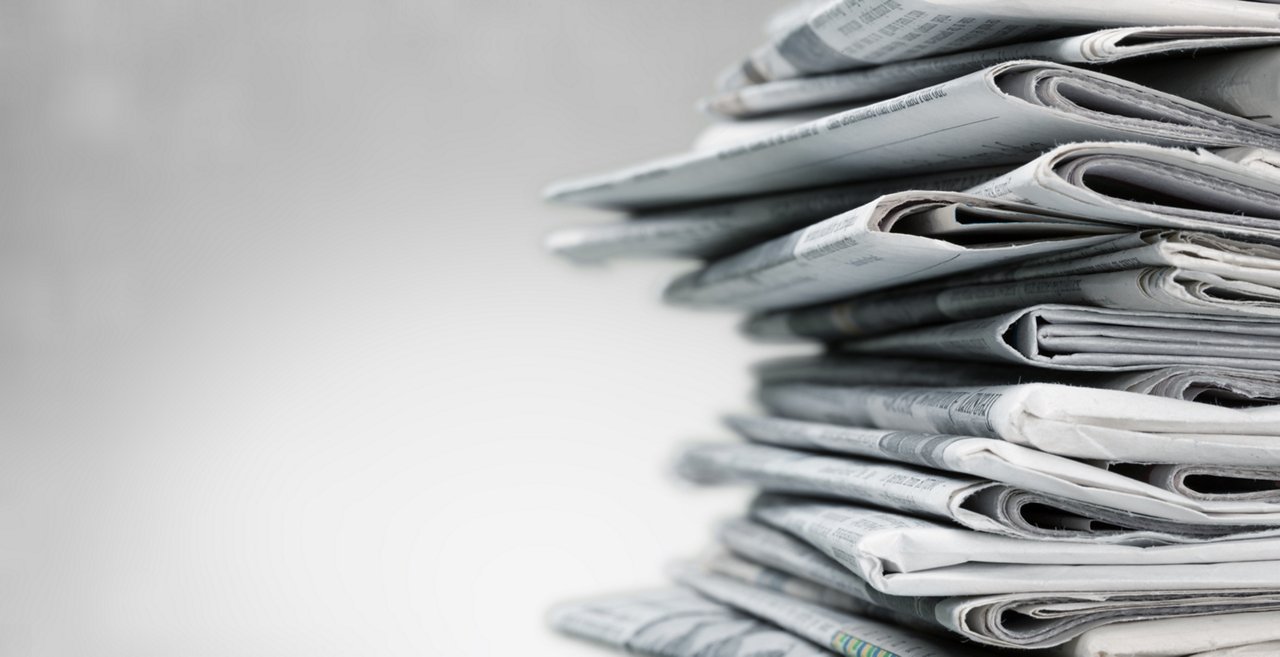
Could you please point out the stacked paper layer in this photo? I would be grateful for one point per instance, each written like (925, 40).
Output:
(1040, 243)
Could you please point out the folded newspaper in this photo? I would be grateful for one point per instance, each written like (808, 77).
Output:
(848, 34)
(900, 554)
(1092, 339)
(1185, 493)
(1087, 423)
(971, 502)
(1154, 271)
(1233, 194)
(1217, 386)
(1035, 620)
(680, 622)
(1101, 47)
(1004, 114)
(715, 229)
(896, 239)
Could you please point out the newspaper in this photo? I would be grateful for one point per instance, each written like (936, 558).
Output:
(1197, 494)
(842, 633)
(971, 502)
(1004, 114)
(904, 555)
(1087, 423)
(1218, 386)
(1144, 185)
(1092, 339)
(896, 239)
(1161, 272)
(717, 229)
(1245, 84)
(1101, 47)
(1035, 620)
(848, 34)
(676, 623)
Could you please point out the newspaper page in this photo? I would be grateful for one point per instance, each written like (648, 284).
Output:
(1101, 47)
(1144, 185)
(1005, 114)
(1217, 386)
(1026, 621)
(1188, 494)
(717, 229)
(1222, 635)
(1092, 339)
(977, 504)
(848, 34)
(1086, 423)
(1244, 83)
(903, 555)
(676, 623)
(842, 633)
(896, 239)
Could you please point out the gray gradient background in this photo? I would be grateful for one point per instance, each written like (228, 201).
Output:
(285, 370)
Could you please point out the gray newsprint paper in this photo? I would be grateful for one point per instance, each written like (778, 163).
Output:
(1005, 114)
(848, 34)
(1101, 47)
(1087, 423)
(1218, 386)
(1014, 620)
(676, 623)
(1189, 494)
(717, 229)
(1091, 339)
(899, 554)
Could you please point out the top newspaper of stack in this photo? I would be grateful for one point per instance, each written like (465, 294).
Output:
(834, 35)
(1006, 114)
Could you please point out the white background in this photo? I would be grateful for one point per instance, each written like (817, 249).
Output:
(285, 370)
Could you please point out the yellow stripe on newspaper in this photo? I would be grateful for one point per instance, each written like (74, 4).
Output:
(847, 644)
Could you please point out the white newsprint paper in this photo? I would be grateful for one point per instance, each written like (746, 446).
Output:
(848, 34)
(896, 239)
(1091, 339)
(676, 623)
(904, 555)
(1005, 114)
(1087, 423)
(1219, 386)
(717, 229)
(1101, 47)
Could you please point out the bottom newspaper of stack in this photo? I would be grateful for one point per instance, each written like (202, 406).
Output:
(951, 516)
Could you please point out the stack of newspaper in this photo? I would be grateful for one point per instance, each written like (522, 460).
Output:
(1040, 243)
